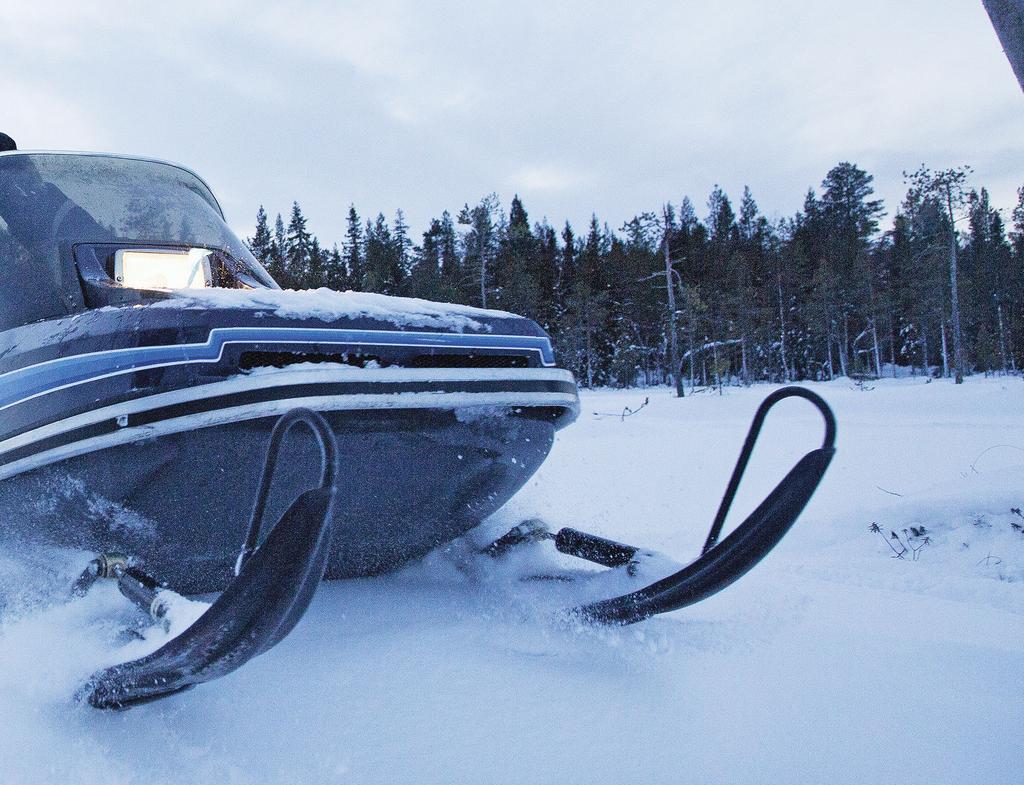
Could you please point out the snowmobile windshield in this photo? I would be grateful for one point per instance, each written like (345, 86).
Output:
(53, 202)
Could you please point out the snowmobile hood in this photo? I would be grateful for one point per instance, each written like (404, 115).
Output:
(329, 305)
(363, 325)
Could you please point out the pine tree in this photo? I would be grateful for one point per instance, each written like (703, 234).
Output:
(516, 267)
(669, 238)
(566, 270)
(987, 283)
(919, 258)
(948, 187)
(635, 267)
(297, 250)
(425, 278)
(480, 242)
(587, 310)
(315, 266)
(335, 276)
(261, 243)
(401, 255)
(851, 221)
(691, 248)
(1015, 274)
(544, 273)
(353, 253)
(381, 270)
(451, 267)
(723, 240)
(747, 266)
(275, 264)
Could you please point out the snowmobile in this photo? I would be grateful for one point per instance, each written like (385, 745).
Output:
(162, 399)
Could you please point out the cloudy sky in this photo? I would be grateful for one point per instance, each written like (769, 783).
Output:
(576, 106)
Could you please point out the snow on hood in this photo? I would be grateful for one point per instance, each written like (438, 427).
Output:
(328, 305)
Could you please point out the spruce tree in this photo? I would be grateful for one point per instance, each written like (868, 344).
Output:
(425, 278)
(516, 269)
(851, 221)
(380, 263)
(588, 309)
(353, 253)
(566, 270)
(316, 266)
(297, 250)
(335, 276)
(275, 265)
(723, 238)
(261, 242)
(402, 250)
(452, 274)
(545, 274)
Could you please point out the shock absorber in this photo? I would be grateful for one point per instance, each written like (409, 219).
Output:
(134, 583)
(105, 565)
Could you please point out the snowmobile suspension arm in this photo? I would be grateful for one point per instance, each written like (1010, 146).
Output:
(748, 447)
(328, 476)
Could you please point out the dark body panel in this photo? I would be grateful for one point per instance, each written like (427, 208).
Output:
(412, 480)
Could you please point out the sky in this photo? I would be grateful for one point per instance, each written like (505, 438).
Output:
(578, 107)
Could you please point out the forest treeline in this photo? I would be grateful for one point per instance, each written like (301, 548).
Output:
(732, 296)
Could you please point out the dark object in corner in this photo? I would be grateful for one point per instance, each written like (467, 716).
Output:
(1008, 19)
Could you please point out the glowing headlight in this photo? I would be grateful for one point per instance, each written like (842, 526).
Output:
(162, 268)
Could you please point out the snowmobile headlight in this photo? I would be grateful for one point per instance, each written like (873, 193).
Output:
(162, 268)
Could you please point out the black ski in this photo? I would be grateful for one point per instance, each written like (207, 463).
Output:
(720, 563)
(274, 585)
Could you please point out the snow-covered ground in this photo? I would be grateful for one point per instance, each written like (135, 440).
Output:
(830, 662)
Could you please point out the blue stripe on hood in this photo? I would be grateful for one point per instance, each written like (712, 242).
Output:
(35, 380)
